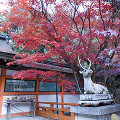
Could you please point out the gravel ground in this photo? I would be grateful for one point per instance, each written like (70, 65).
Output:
(27, 118)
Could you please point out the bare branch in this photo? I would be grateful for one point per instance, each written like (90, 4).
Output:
(101, 15)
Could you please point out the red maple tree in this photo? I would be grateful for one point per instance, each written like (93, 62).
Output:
(67, 29)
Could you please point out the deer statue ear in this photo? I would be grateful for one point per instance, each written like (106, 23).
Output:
(81, 72)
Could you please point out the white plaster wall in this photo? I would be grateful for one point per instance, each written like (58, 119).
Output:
(69, 98)
(10, 72)
(24, 107)
(49, 98)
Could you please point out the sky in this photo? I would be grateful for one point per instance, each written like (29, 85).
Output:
(3, 6)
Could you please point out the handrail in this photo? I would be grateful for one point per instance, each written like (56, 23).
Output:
(50, 111)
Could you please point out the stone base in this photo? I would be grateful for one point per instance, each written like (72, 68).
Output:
(92, 97)
(95, 103)
(95, 99)
(95, 113)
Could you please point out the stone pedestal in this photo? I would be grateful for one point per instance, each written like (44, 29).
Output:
(95, 99)
(95, 113)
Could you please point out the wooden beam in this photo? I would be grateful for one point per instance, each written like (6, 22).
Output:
(2, 91)
(19, 93)
(3, 72)
(2, 84)
(7, 56)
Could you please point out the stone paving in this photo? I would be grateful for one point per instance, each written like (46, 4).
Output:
(28, 118)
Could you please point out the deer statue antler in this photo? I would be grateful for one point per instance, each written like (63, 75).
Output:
(89, 64)
(80, 64)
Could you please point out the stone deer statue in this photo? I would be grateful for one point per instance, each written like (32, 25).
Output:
(89, 86)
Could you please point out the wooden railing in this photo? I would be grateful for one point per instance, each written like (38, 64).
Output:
(55, 113)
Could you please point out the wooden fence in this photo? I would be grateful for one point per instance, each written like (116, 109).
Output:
(62, 113)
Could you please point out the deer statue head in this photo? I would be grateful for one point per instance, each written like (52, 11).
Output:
(86, 72)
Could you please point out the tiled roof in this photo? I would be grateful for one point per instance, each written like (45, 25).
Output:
(6, 52)
(4, 47)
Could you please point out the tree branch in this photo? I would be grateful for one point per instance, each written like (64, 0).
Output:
(101, 15)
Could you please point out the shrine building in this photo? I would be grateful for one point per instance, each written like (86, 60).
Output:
(16, 95)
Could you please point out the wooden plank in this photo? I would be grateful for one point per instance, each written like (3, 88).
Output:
(20, 93)
(10, 77)
(55, 109)
(61, 109)
(43, 107)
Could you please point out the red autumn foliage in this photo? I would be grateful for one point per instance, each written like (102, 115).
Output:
(67, 30)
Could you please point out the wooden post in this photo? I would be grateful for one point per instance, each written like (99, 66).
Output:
(2, 84)
(43, 112)
(32, 108)
(72, 115)
(57, 92)
(3, 72)
(8, 117)
(51, 110)
(62, 98)
(61, 115)
(37, 91)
